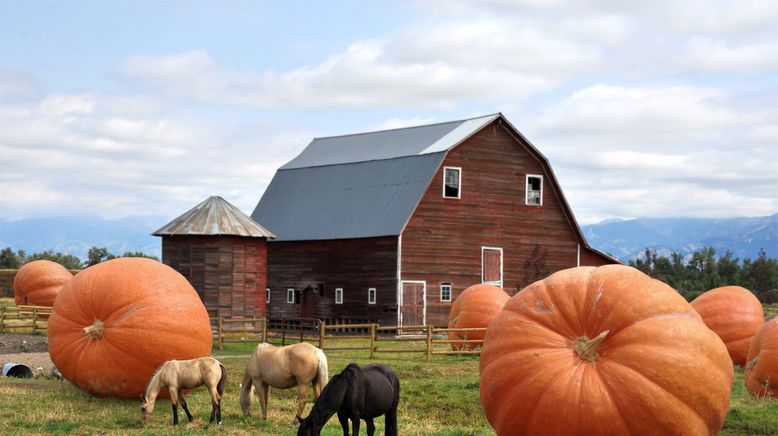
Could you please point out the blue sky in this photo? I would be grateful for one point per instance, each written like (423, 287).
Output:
(644, 108)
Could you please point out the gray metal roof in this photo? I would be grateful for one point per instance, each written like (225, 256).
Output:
(387, 144)
(361, 185)
(214, 216)
(354, 200)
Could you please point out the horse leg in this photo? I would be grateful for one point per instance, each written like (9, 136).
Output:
(355, 422)
(183, 404)
(343, 422)
(370, 426)
(174, 403)
(215, 404)
(302, 397)
(261, 388)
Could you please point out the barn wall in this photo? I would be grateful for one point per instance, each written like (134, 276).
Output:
(442, 241)
(352, 264)
(592, 258)
(229, 273)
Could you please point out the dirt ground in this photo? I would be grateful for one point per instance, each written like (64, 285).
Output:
(31, 350)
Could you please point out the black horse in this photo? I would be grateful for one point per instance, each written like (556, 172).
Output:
(356, 393)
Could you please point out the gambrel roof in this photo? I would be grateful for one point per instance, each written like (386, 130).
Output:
(358, 186)
(368, 184)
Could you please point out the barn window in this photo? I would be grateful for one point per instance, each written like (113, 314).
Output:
(290, 296)
(452, 180)
(338, 295)
(445, 292)
(534, 194)
(267, 295)
(371, 296)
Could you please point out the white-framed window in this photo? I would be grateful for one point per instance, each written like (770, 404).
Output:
(452, 182)
(267, 295)
(338, 295)
(290, 296)
(371, 294)
(534, 191)
(445, 292)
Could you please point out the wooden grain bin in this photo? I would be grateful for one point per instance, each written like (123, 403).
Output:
(223, 254)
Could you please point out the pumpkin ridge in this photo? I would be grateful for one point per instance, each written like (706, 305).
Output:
(609, 390)
(667, 391)
(542, 322)
(555, 309)
(655, 317)
(555, 379)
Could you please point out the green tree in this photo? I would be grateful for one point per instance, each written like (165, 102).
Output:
(97, 255)
(139, 254)
(67, 260)
(761, 275)
(11, 260)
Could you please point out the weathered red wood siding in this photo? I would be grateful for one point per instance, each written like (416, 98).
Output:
(352, 264)
(442, 241)
(593, 258)
(229, 273)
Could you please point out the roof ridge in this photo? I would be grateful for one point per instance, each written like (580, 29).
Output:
(407, 127)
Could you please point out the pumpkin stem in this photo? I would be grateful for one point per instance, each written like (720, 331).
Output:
(587, 348)
(94, 331)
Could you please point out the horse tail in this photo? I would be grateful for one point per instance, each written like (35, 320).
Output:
(322, 373)
(222, 381)
(245, 393)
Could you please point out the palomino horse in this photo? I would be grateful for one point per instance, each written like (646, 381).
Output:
(177, 375)
(356, 393)
(283, 368)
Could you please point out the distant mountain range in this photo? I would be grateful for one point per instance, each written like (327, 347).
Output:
(627, 239)
(75, 235)
(624, 239)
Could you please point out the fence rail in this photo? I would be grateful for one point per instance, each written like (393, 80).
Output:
(33, 319)
(329, 337)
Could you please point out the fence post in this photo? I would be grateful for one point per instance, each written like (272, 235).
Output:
(372, 339)
(264, 329)
(2, 318)
(322, 328)
(34, 320)
(429, 343)
(220, 331)
(283, 332)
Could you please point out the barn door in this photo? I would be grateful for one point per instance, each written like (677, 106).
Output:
(307, 302)
(491, 266)
(413, 304)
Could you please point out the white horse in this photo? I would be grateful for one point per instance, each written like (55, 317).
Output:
(283, 368)
(177, 375)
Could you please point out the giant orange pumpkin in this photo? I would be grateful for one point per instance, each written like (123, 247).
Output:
(475, 307)
(118, 321)
(761, 370)
(735, 314)
(603, 351)
(38, 283)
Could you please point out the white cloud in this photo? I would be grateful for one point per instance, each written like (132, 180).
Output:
(69, 154)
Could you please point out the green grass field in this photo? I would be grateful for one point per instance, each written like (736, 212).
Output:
(438, 398)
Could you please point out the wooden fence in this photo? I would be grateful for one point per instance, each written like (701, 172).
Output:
(28, 319)
(424, 339)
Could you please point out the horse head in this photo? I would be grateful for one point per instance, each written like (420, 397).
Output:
(146, 408)
(307, 428)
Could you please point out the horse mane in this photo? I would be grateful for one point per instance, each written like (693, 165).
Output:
(151, 379)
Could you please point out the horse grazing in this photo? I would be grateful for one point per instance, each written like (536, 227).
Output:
(356, 393)
(177, 375)
(283, 368)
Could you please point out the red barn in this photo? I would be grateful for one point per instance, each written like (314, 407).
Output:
(391, 226)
